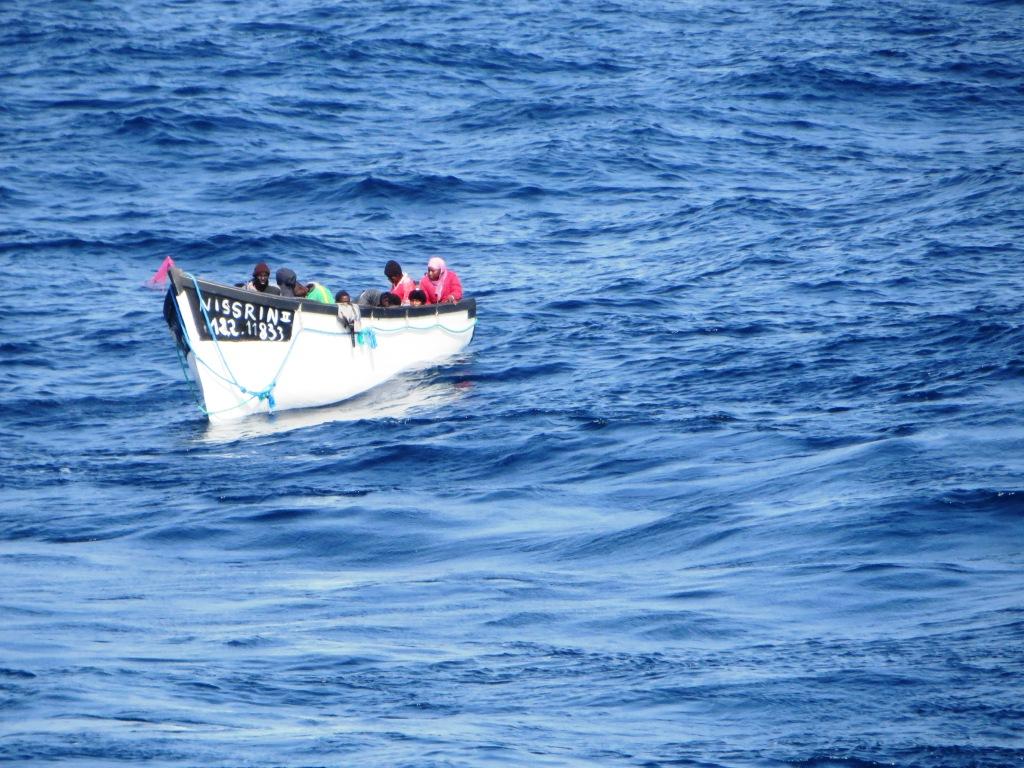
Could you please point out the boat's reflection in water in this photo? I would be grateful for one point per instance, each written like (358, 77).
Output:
(395, 399)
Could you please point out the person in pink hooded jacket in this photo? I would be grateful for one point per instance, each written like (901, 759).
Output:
(440, 284)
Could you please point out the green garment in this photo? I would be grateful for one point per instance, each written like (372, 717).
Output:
(318, 293)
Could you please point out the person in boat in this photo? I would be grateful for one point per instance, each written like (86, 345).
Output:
(342, 297)
(319, 292)
(417, 298)
(401, 283)
(289, 284)
(440, 284)
(389, 299)
(261, 281)
(369, 298)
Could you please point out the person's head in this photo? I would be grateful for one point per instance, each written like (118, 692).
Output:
(393, 271)
(261, 275)
(417, 298)
(389, 299)
(435, 267)
(289, 284)
(342, 297)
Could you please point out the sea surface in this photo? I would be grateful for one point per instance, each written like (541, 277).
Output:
(732, 474)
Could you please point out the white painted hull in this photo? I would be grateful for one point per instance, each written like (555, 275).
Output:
(239, 374)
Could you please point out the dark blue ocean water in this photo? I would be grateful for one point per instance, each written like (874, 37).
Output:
(731, 475)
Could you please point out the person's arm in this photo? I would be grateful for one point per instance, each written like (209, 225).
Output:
(455, 287)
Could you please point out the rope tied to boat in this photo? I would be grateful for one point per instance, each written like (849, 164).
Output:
(268, 395)
(367, 338)
(263, 395)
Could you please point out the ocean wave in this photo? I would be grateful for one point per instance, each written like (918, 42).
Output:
(735, 442)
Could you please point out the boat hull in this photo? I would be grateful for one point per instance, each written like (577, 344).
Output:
(249, 353)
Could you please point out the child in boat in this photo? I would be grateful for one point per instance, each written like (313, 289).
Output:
(417, 298)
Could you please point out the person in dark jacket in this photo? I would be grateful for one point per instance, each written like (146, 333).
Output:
(261, 281)
(290, 286)
(289, 283)
(369, 298)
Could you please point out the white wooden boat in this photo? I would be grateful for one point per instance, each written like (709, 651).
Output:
(250, 352)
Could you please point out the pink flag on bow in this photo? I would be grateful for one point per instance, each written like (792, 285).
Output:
(160, 276)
